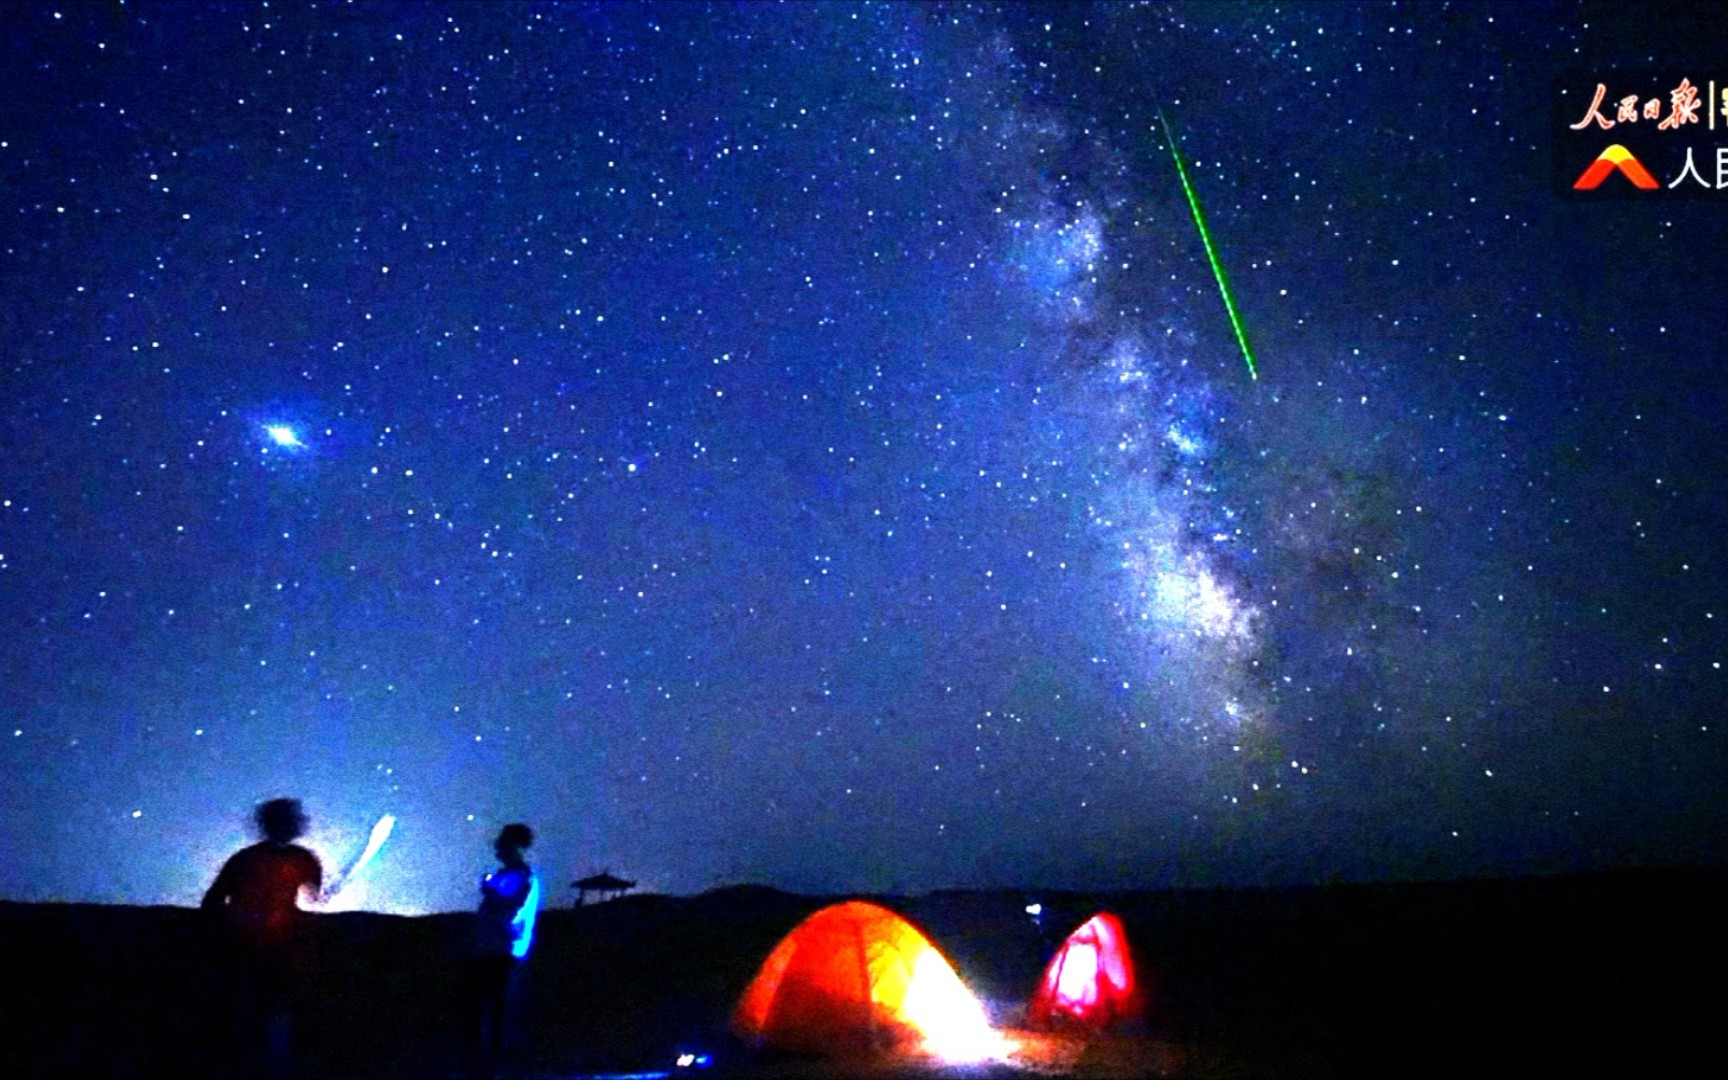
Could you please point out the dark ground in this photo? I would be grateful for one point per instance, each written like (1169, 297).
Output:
(1624, 973)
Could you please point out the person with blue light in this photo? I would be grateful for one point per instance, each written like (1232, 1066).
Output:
(503, 936)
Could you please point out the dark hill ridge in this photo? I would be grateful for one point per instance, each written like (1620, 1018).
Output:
(1531, 976)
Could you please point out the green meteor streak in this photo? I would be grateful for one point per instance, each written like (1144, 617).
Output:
(1211, 254)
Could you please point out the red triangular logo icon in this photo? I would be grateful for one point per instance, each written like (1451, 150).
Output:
(1615, 157)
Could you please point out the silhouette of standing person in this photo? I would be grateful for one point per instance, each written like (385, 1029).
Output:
(256, 897)
(503, 934)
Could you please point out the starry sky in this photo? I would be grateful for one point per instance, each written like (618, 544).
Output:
(806, 444)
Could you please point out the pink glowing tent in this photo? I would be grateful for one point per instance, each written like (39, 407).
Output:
(1090, 980)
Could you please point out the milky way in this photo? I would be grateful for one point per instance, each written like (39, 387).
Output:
(806, 445)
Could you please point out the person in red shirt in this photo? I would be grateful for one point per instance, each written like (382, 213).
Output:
(256, 898)
(258, 890)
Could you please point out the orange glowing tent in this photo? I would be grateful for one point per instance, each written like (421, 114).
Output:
(856, 979)
(1090, 981)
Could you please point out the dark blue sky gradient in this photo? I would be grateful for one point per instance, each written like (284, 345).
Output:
(805, 444)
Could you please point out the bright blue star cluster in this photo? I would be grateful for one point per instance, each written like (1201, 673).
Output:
(803, 444)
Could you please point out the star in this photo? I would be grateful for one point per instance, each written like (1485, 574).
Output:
(284, 436)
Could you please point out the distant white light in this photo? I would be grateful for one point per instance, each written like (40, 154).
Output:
(951, 1019)
(283, 435)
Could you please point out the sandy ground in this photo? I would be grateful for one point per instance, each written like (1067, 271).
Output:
(1606, 974)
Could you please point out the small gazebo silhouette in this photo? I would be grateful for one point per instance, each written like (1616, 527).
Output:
(603, 883)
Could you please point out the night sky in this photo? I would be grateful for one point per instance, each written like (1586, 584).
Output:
(806, 444)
